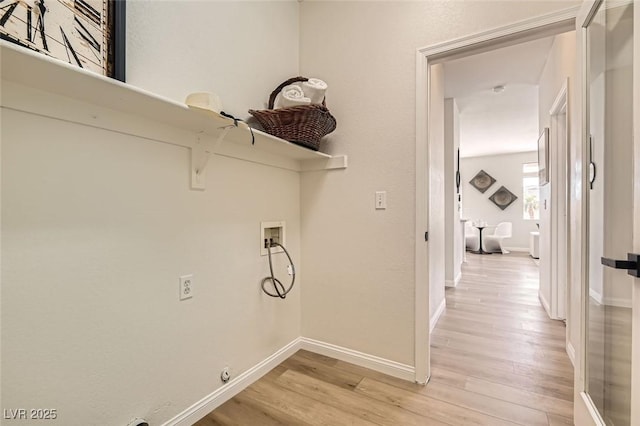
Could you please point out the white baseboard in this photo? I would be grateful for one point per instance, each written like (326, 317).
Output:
(618, 302)
(436, 315)
(382, 365)
(572, 354)
(454, 283)
(545, 304)
(586, 413)
(234, 387)
(609, 301)
(595, 296)
(518, 249)
(237, 385)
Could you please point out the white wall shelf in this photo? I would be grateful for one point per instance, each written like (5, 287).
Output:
(98, 101)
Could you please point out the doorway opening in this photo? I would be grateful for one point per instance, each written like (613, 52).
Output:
(432, 173)
(559, 164)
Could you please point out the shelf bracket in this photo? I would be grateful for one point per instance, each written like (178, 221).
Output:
(200, 153)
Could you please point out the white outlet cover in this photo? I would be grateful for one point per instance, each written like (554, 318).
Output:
(186, 287)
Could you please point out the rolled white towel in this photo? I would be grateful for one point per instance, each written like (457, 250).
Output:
(314, 89)
(291, 95)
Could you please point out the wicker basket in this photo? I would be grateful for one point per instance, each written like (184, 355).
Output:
(303, 125)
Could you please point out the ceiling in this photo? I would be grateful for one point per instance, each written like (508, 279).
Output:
(498, 123)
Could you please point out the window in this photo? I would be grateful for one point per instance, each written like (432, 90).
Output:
(530, 191)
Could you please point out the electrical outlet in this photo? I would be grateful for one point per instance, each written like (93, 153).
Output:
(186, 287)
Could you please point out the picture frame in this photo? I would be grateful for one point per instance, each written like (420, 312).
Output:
(543, 157)
(503, 198)
(458, 172)
(117, 51)
(482, 181)
(88, 34)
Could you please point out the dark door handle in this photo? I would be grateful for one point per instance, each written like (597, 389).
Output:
(632, 264)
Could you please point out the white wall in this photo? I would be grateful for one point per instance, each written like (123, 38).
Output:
(97, 227)
(560, 65)
(241, 50)
(96, 230)
(359, 264)
(454, 229)
(507, 171)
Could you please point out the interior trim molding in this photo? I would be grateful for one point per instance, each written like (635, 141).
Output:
(454, 282)
(581, 415)
(518, 32)
(595, 296)
(234, 387)
(545, 304)
(571, 351)
(437, 314)
(618, 302)
(554, 23)
(518, 249)
(244, 380)
(382, 365)
(610, 301)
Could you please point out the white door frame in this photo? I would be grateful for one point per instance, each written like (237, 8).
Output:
(635, 326)
(585, 413)
(519, 32)
(559, 140)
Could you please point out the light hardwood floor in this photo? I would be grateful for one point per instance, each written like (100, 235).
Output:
(496, 360)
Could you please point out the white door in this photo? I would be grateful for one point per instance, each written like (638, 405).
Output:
(610, 351)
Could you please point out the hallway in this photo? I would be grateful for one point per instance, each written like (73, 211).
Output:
(496, 360)
(496, 340)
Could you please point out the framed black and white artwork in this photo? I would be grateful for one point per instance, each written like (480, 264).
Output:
(89, 34)
(543, 157)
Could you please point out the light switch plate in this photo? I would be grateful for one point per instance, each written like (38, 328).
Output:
(381, 200)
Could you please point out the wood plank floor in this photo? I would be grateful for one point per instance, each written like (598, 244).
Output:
(496, 360)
